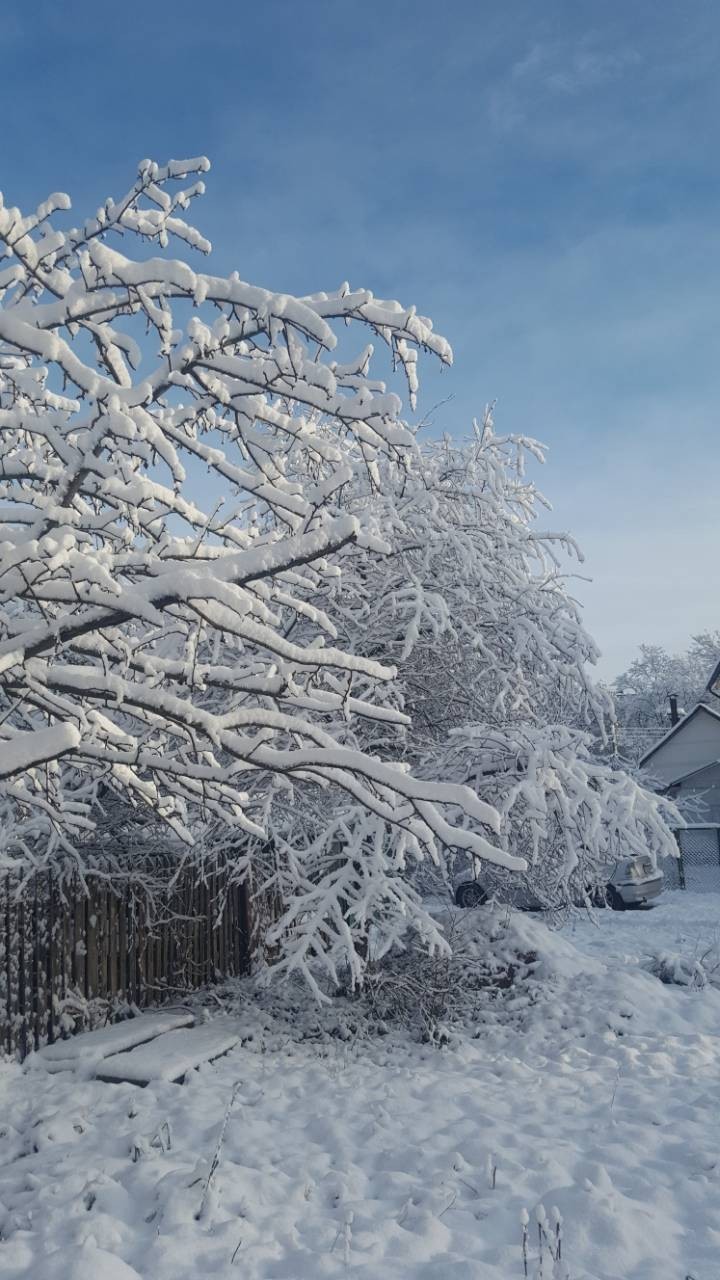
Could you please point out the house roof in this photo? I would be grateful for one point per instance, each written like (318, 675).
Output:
(678, 727)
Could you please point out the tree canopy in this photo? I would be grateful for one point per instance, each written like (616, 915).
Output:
(237, 590)
(146, 637)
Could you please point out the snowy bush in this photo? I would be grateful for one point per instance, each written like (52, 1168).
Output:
(77, 1012)
(471, 604)
(696, 970)
(431, 994)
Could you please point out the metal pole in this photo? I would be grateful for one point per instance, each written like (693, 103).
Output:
(681, 863)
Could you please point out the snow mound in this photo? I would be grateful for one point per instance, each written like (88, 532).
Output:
(500, 964)
(84, 1263)
(501, 938)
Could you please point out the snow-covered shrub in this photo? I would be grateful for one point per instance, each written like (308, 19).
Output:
(430, 994)
(550, 1261)
(697, 970)
(472, 603)
(78, 1012)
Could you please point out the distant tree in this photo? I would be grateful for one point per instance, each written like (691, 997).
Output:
(642, 693)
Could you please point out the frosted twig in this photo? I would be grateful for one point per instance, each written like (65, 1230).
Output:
(216, 1155)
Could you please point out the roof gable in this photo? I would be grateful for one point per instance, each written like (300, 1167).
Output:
(678, 728)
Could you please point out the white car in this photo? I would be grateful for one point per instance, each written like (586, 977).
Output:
(632, 883)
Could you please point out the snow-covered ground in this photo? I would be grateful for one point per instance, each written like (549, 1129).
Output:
(595, 1089)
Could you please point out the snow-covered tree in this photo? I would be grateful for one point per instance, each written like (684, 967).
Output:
(473, 605)
(571, 815)
(166, 582)
(235, 589)
(642, 693)
(493, 670)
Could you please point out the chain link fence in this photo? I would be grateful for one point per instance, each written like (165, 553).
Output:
(698, 868)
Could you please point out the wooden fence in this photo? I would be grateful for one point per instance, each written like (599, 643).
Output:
(72, 958)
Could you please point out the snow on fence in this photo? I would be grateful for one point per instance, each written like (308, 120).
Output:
(70, 960)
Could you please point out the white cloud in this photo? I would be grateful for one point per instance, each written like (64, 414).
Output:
(552, 71)
(570, 69)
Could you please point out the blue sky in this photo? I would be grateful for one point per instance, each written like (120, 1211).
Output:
(540, 179)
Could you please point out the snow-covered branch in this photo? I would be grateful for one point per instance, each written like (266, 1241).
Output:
(176, 447)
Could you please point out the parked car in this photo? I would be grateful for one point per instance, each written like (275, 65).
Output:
(633, 882)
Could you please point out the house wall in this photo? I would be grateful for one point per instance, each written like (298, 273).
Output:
(695, 744)
(704, 789)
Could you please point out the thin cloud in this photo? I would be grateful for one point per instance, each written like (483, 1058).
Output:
(551, 71)
(572, 70)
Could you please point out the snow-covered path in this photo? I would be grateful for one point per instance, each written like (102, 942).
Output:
(600, 1096)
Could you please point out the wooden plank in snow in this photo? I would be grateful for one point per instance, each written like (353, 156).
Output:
(170, 1056)
(118, 1038)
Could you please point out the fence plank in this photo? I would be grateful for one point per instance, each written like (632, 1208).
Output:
(21, 1004)
(122, 959)
(91, 947)
(50, 974)
(101, 940)
(140, 960)
(78, 957)
(9, 967)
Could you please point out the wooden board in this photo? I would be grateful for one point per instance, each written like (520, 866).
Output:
(170, 1056)
(121, 1036)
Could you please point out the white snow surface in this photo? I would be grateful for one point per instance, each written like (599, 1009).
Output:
(170, 1056)
(592, 1087)
(115, 1039)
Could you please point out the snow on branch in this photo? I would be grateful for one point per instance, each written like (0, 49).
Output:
(22, 751)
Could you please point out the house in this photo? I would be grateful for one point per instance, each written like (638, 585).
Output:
(685, 765)
(686, 762)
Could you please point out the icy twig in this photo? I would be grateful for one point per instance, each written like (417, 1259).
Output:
(216, 1155)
